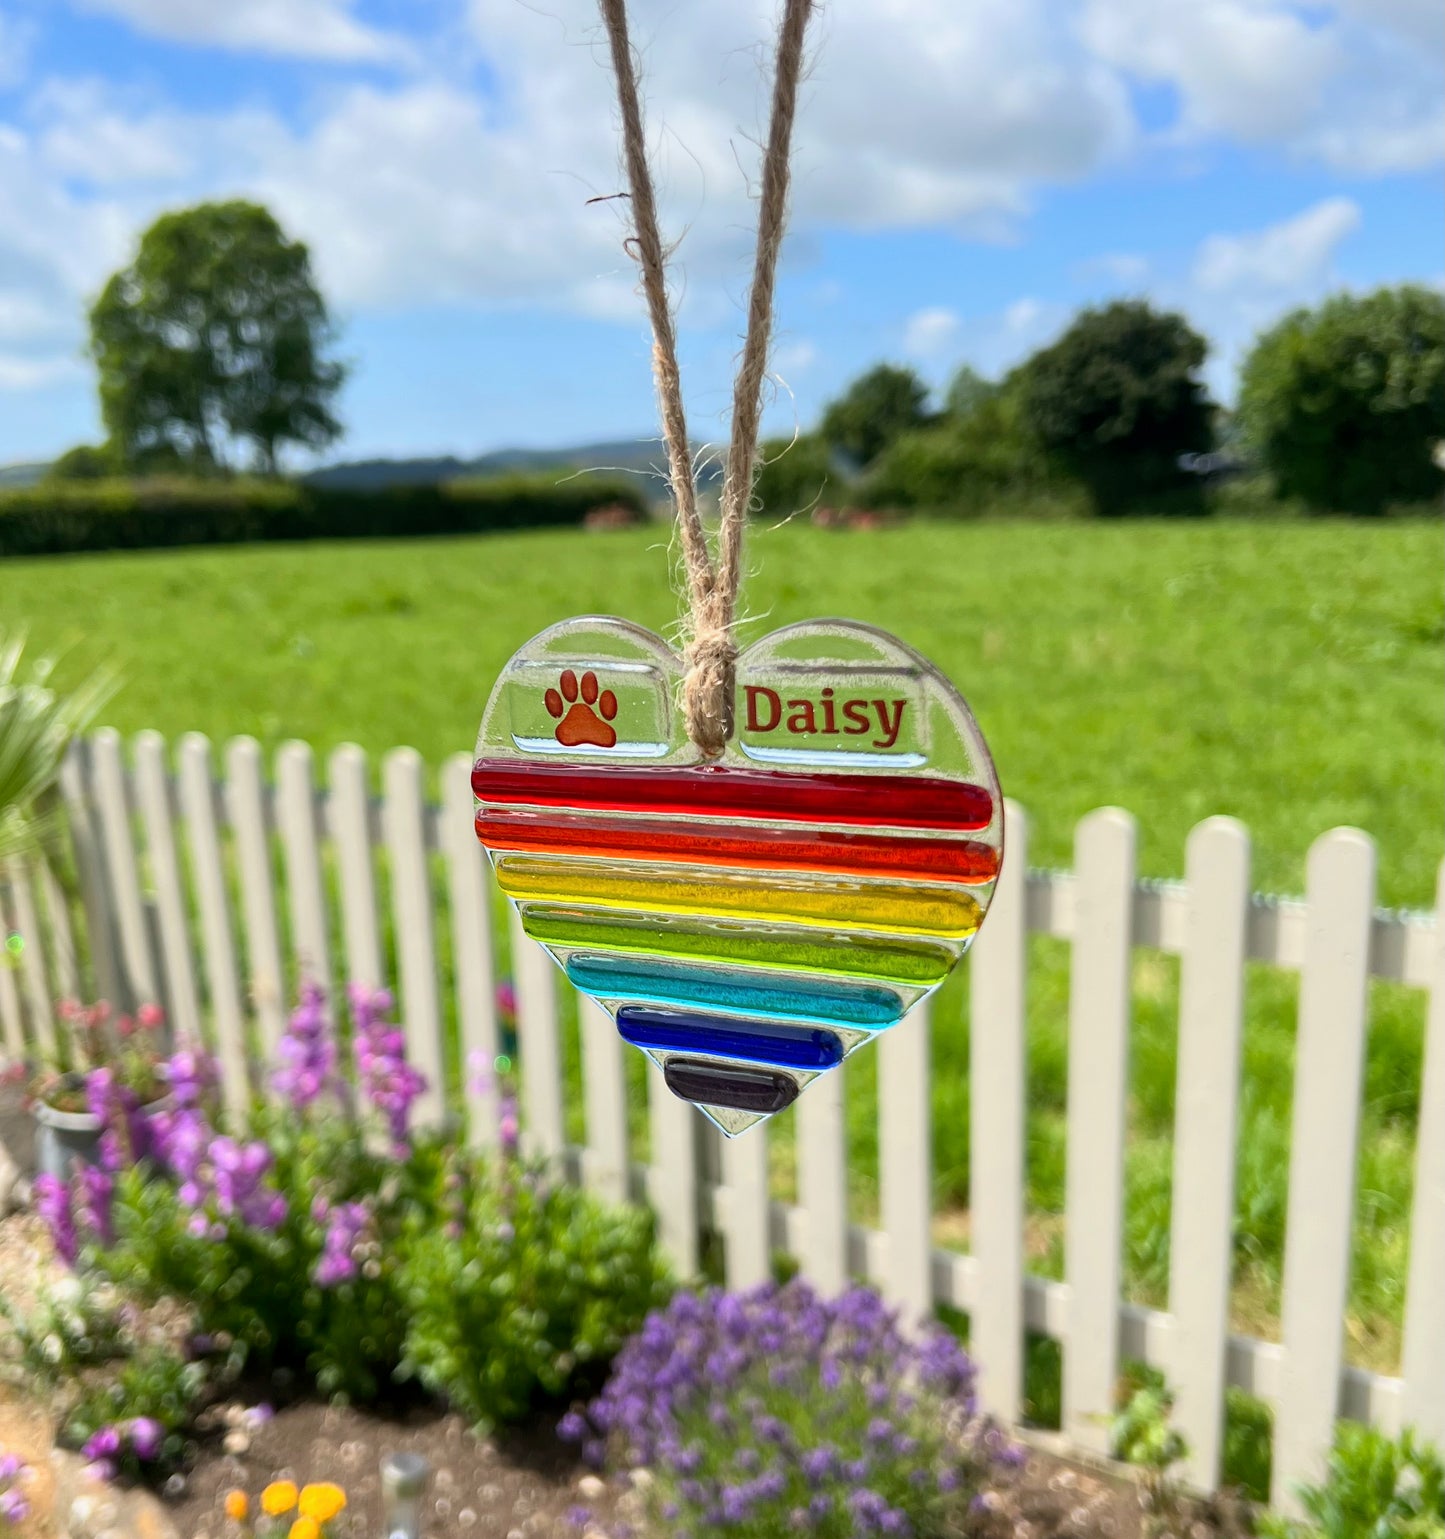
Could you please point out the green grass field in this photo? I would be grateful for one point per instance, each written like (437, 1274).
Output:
(1289, 673)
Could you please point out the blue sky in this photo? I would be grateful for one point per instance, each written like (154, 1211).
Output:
(968, 173)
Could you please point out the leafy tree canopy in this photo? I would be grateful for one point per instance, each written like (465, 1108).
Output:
(215, 335)
(1345, 403)
(873, 411)
(968, 392)
(1118, 398)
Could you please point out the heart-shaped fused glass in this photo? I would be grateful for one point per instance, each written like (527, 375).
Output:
(748, 921)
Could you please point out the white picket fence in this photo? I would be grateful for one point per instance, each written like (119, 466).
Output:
(205, 936)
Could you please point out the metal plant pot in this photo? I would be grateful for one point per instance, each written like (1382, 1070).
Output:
(62, 1137)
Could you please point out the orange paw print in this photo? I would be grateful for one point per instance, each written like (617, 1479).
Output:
(582, 725)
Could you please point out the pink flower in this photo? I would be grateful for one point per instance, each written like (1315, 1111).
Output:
(150, 1016)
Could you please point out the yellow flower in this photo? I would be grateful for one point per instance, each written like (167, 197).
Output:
(322, 1501)
(278, 1497)
(304, 1528)
(237, 1506)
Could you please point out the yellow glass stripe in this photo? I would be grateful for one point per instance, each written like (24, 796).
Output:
(860, 905)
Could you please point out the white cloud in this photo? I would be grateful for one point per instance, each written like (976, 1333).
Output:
(88, 136)
(928, 333)
(17, 37)
(303, 29)
(1125, 267)
(18, 372)
(1240, 283)
(1246, 68)
(794, 357)
(1355, 84)
(1291, 256)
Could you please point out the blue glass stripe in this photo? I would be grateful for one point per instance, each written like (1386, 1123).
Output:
(701, 988)
(677, 1031)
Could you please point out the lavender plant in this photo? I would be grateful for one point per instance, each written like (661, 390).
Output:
(777, 1412)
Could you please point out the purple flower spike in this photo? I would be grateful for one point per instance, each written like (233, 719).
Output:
(146, 1436)
(52, 1202)
(104, 1444)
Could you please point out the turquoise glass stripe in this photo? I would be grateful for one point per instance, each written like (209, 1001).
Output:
(701, 988)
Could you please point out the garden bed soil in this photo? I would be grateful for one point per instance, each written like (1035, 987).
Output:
(524, 1484)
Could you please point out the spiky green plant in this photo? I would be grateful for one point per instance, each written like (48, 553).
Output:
(37, 724)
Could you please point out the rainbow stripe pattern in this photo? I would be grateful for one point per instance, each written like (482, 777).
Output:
(750, 922)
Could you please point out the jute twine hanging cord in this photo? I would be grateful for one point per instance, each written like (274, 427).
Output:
(711, 650)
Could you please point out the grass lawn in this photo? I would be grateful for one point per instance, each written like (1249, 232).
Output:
(1292, 674)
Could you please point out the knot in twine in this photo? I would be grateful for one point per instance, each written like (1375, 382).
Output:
(709, 688)
(711, 653)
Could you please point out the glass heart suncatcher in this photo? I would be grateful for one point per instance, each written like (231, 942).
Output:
(750, 920)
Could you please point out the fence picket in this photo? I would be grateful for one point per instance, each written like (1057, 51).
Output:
(1329, 1069)
(747, 1253)
(32, 956)
(823, 1183)
(11, 1020)
(998, 975)
(350, 817)
(208, 870)
(153, 792)
(673, 1175)
(604, 1088)
(296, 816)
(403, 819)
(1211, 1022)
(246, 807)
(469, 889)
(63, 955)
(1098, 1084)
(905, 1161)
(534, 977)
(139, 981)
(81, 816)
(1424, 1348)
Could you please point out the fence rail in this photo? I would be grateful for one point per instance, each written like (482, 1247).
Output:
(214, 894)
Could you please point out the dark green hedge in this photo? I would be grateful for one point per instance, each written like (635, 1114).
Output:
(139, 514)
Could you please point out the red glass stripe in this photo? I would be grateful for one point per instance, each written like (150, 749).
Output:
(781, 849)
(899, 801)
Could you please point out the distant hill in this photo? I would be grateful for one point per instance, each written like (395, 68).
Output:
(23, 475)
(644, 457)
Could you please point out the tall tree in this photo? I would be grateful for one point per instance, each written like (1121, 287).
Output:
(1346, 403)
(968, 392)
(214, 335)
(873, 411)
(1118, 399)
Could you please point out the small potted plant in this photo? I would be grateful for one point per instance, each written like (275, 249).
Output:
(111, 1072)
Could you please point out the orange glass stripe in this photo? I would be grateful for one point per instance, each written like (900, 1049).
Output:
(775, 849)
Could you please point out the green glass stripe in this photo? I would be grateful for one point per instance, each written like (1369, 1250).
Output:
(923, 963)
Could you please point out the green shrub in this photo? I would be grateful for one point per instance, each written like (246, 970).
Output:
(965, 466)
(137, 1422)
(1117, 400)
(1376, 1487)
(795, 476)
(257, 1283)
(1345, 403)
(114, 514)
(526, 1296)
